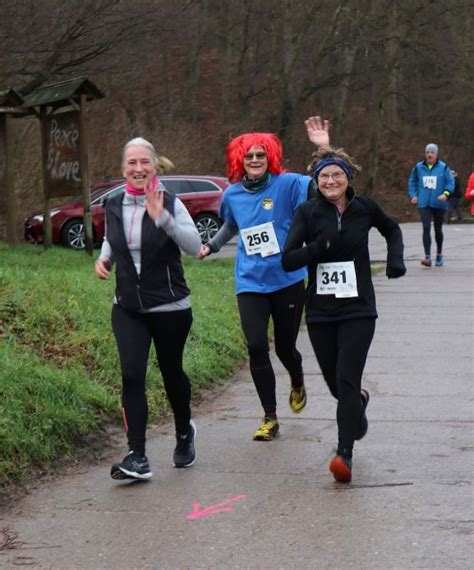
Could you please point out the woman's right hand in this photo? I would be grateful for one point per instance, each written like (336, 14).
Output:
(204, 251)
(318, 131)
(102, 268)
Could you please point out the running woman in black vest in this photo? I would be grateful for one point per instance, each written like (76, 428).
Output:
(329, 234)
(145, 229)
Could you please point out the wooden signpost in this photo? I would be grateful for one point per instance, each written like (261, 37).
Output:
(61, 110)
(10, 106)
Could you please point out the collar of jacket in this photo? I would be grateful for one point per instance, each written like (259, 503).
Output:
(432, 166)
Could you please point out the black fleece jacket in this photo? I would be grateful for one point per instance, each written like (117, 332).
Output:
(330, 237)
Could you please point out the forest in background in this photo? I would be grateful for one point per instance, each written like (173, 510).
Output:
(391, 75)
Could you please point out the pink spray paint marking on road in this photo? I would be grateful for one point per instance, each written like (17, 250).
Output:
(214, 509)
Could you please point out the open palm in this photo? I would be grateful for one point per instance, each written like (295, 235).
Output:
(318, 130)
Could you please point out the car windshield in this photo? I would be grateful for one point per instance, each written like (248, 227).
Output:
(98, 193)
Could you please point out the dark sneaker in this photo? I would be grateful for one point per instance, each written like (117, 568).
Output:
(341, 468)
(363, 423)
(268, 430)
(426, 262)
(134, 466)
(298, 399)
(439, 261)
(184, 453)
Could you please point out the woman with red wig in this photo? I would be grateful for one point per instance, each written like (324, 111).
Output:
(259, 205)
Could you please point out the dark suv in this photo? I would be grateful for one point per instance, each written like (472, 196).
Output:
(201, 195)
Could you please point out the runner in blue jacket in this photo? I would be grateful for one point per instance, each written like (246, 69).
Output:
(429, 186)
(259, 206)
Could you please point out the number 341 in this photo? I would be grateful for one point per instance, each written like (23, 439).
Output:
(333, 277)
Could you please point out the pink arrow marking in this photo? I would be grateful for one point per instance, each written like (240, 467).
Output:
(214, 509)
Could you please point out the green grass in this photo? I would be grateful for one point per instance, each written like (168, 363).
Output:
(59, 369)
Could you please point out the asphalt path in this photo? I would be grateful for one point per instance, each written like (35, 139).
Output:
(261, 505)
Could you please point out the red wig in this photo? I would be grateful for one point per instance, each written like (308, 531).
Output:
(239, 146)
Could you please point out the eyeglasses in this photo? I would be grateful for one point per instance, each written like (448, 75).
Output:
(336, 176)
(257, 155)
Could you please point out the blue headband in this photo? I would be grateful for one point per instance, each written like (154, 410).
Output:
(330, 160)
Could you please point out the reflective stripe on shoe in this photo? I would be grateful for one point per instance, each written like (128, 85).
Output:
(132, 474)
(133, 466)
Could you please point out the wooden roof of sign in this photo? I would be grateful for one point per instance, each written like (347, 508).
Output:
(11, 102)
(62, 93)
(10, 98)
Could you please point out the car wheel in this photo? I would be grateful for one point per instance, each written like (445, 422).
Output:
(72, 234)
(207, 225)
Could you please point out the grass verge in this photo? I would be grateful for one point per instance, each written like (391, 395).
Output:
(59, 368)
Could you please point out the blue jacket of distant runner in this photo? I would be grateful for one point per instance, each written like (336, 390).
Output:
(426, 184)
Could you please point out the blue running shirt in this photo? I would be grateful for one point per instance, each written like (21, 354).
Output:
(275, 203)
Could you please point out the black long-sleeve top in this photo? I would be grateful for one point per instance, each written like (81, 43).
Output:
(319, 234)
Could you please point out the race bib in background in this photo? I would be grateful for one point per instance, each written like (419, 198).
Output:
(429, 182)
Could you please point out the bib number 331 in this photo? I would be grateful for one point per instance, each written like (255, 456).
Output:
(260, 239)
(337, 278)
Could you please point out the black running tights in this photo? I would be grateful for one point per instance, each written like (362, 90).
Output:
(437, 215)
(134, 333)
(341, 348)
(285, 306)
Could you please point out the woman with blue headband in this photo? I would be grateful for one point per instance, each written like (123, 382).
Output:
(329, 234)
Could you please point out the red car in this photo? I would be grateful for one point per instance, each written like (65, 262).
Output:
(201, 195)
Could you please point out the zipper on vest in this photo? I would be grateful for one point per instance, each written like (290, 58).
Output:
(132, 221)
(169, 280)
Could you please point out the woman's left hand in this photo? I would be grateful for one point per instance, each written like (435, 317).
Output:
(318, 131)
(154, 202)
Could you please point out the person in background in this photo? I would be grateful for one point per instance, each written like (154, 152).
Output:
(145, 229)
(454, 206)
(330, 235)
(429, 186)
(469, 195)
(259, 205)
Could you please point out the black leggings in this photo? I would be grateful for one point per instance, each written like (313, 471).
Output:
(341, 348)
(437, 215)
(285, 307)
(134, 333)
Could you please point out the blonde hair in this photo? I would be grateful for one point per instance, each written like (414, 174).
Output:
(331, 152)
(162, 163)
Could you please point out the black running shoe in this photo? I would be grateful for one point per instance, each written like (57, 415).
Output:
(184, 453)
(134, 466)
(363, 422)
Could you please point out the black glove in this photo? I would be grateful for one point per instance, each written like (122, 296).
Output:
(318, 247)
(395, 270)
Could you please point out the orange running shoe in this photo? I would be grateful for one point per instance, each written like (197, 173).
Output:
(341, 468)
(426, 262)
